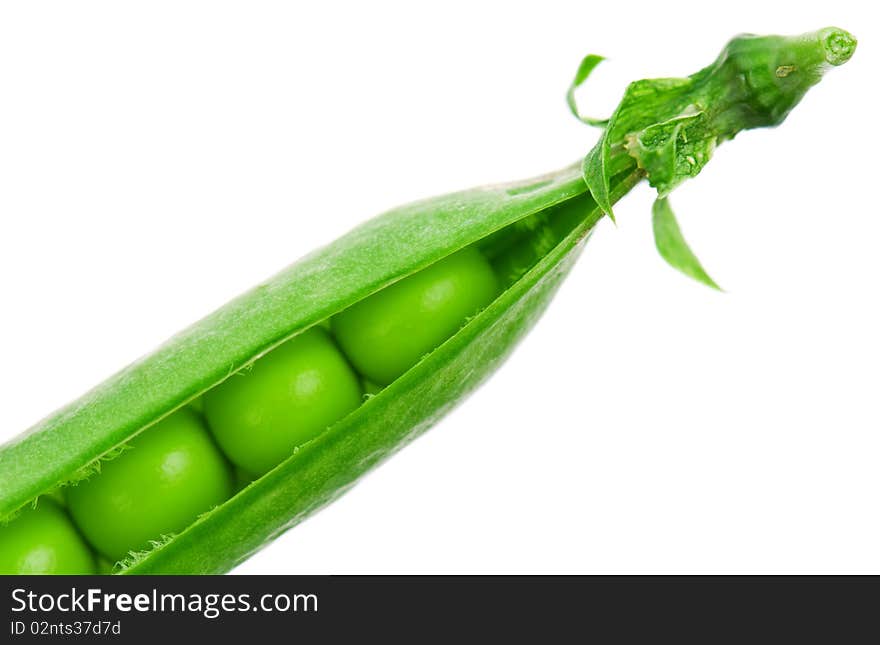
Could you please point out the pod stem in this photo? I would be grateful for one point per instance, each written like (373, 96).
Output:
(670, 127)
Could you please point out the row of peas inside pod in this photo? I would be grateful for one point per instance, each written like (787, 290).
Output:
(201, 454)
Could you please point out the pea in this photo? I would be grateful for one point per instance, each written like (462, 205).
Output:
(389, 332)
(43, 540)
(287, 397)
(170, 474)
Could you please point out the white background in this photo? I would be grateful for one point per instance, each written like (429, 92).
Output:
(156, 159)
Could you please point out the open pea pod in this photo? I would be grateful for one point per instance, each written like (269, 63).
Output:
(663, 130)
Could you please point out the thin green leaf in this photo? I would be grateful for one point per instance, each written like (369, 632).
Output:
(588, 64)
(597, 176)
(672, 246)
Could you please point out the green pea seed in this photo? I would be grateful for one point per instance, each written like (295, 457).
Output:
(170, 474)
(287, 397)
(389, 332)
(43, 540)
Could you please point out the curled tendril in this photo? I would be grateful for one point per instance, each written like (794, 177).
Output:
(588, 64)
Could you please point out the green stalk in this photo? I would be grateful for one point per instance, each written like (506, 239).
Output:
(672, 126)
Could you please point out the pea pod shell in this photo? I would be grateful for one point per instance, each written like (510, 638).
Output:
(326, 467)
(363, 261)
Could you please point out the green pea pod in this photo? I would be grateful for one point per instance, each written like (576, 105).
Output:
(664, 130)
